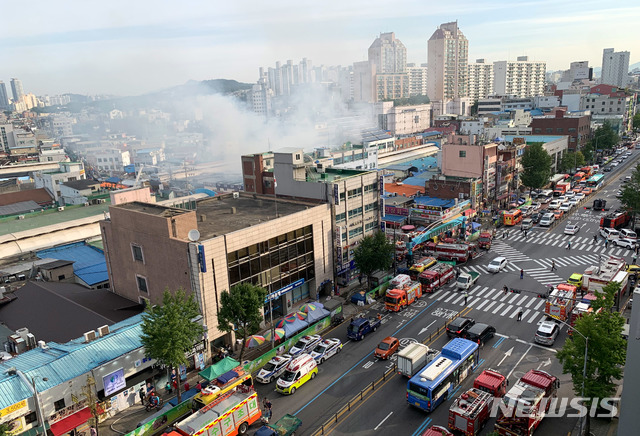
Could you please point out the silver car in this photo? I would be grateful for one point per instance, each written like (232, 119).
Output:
(547, 333)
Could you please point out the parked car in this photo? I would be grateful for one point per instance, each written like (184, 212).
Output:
(625, 243)
(497, 264)
(458, 327)
(325, 349)
(547, 333)
(480, 333)
(609, 234)
(535, 217)
(304, 344)
(387, 347)
(273, 368)
(571, 229)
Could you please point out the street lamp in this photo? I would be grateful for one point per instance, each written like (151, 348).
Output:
(39, 413)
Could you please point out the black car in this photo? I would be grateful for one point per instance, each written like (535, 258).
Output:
(458, 327)
(535, 217)
(607, 169)
(480, 333)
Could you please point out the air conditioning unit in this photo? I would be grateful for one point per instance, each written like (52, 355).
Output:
(236, 195)
(20, 217)
(90, 336)
(103, 331)
(60, 208)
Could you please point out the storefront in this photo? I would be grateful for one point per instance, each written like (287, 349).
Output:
(280, 302)
(72, 420)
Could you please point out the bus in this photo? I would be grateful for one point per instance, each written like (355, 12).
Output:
(513, 217)
(595, 182)
(433, 384)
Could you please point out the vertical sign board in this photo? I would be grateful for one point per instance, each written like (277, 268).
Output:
(336, 194)
(381, 193)
(339, 246)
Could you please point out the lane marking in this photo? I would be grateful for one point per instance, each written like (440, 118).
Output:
(382, 422)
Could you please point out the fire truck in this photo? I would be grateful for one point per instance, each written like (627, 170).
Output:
(560, 302)
(521, 412)
(491, 381)
(420, 266)
(435, 276)
(484, 240)
(615, 220)
(457, 252)
(611, 269)
(397, 299)
(583, 307)
(470, 412)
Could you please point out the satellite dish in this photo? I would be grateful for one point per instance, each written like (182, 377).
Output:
(193, 235)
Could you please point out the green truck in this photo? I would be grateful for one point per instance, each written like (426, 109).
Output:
(285, 426)
(466, 280)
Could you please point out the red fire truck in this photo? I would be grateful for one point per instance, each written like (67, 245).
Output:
(484, 240)
(561, 301)
(521, 414)
(397, 299)
(435, 276)
(457, 252)
(492, 382)
(615, 220)
(470, 412)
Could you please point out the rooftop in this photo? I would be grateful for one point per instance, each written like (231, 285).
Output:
(81, 184)
(332, 174)
(534, 138)
(432, 201)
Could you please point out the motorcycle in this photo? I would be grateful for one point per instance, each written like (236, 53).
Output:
(151, 405)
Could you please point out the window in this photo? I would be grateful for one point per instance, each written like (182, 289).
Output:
(142, 284)
(30, 418)
(462, 153)
(58, 405)
(549, 129)
(137, 253)
(559, 130)
(340, 217)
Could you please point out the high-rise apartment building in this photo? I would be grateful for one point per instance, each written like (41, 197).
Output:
(4, 98)
(520, 78)
(480, 80)
(615, 68)
(16, 88)
(447, 58)
(389, 58)
(417, 79)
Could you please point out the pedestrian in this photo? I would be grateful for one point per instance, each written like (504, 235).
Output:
(569, 245)
(265, 400)
(521, 229)
(553, 265)
(505, 289)
(360, 278)
(141, 393)
(525, 234)
(595, 238)
(635, 257)
(520, 314)
(637, 249)
(93, 431)
(268, 404)
(606, 244)
(521, 274)
(465, 297)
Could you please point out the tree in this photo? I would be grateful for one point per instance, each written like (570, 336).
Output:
(606, 353)
(169, 330)
(373, 253)
(536, 164)
(88, 391)
(587, 152)
(240, 310)
(605, 138)
(630, 198)
(5, 429)
(636, 121)
(572, 160)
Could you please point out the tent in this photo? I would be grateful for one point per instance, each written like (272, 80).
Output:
(216, 370)
(291, 328)
(318, 314)
(226, 377)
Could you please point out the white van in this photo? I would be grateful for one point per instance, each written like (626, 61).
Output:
(547, 219)
(547, 193)
(299, 371)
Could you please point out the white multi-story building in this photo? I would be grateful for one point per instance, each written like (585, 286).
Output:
(615, 67)
(480, 80)
(522, 78)
(417, 79)
(260, 98)
(363, 82)
(51, 181)
(403, 120)
(109, 159)
(546, 102)
(447, 58)
(602, 104)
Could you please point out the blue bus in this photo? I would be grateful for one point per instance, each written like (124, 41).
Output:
(595, 182)
(433, 384)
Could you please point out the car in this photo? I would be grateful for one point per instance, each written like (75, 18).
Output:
(625, 156)
(535, 217)
(546, 200)
(565, 207)
(587, 191)
(526, 210)
(547, 333)
(480, 333)
(574, 202)
(609, 234)
(535, 206)
(633, 269)
(497, 264)
(614, 164)
(547, 219)
(554, 205)
(527, 223)
(627, 179)
(436, 430)
(569, 194)
(577, 189)
(325, 349)
(387, 347)
(459, 326)
(562, 199)
(629, 235)
(607, 169)
(305, 344)
(625, 243)
(571, 229)
(522, 200)
(273, 368)
(579, 196)
(558, 214)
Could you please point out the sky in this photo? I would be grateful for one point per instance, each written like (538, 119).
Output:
(138, 46)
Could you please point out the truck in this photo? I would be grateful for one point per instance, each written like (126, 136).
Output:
(413, 358)
(457, 252)
(420, 266)
(436, 276)
(466, 280)
(560, 302)
(615, 220)
(470, 411)
(228, 415)
(285, 426)
(492, 382)
(360, 327)
(561, 188)
(397, 299)
(526, 403)
(598, 276)
(485, 239)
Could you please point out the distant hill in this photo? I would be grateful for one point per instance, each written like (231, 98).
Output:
(213, 86)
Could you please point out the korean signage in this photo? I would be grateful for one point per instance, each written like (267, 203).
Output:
(13, 411)
(67, 411)
(339, 236)
(114, 382)
(426, 207)
(282, 291)
(336, 194)
(392, 210)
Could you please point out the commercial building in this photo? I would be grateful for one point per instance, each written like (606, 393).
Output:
(282, 245)
(4, 97)
(51, 181)
(555, 145)
(447, 58)
(577, 127)
(480, 80)
(109, 159)
(403, 120)
(257, 173)
(521, 78)
(615, 68)
(417, 79)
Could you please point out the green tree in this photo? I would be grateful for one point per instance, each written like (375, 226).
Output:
(169, 330)
(636, 121)
(606, 352)
(587, 152)
(605, 138)
(240, 311)
(630, 198)
(536, 164)
(572, 160)
(4, 429)
(374, 253)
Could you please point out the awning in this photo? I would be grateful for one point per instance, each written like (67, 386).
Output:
(70, 422)
(469, 212)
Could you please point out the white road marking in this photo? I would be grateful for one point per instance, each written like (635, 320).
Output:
(381, 422)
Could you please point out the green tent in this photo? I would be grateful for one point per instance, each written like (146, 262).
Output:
(216, 370)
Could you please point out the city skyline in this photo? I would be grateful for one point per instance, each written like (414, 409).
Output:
(133, 48)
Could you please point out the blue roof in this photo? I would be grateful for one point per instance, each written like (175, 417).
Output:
(113, 180)
(432, 133)
(536, 112)
(82, 254)
(60, 363)
(209, 192)
(93, 274)
(394, 218)
(534, 138)
(432, 201)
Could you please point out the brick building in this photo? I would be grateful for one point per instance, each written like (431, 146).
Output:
(577, 127)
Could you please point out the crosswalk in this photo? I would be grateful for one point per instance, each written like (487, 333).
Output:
(559, 240)
(495, 301)
(506, 250)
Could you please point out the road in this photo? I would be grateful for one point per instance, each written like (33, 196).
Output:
(512, 351)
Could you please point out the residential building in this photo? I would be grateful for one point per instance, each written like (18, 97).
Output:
(447, 58)
(615, 68)
(109, 159)
(391, 86)
(51, 181)
(17, 90)
(520, 78)
(4, 97)
(363, 82)
(257, 173)
(403, 120)
(6, 137)
(577, 127)
(603, 104)
(23, 142)
(282, 245)
(78, 192)
(458, 106)
(350, 156)
(471, 127)
(148, 157)
(417, 79)
(480, 80)
(489, 105)
(388, 56)
(546, 102)
(577, 72)
(260, 98)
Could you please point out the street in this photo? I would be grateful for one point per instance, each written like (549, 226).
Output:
(511, 352)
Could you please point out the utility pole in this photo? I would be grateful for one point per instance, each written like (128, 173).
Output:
(88, 392)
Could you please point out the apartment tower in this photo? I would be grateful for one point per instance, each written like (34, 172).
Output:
(447, 59)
